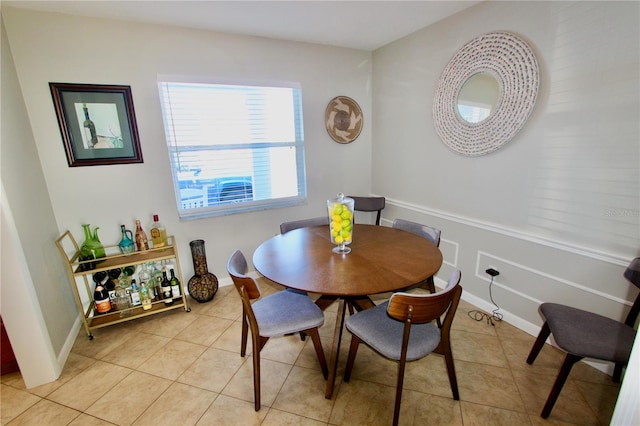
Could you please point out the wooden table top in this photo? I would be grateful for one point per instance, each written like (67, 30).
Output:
(382, 259)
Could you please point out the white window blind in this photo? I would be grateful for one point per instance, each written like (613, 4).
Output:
(233, 148)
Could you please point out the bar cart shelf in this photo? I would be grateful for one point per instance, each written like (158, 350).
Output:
(82, 284)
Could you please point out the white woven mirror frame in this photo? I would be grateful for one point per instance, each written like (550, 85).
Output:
(513, 64)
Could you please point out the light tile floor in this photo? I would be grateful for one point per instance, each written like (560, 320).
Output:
(180, 368)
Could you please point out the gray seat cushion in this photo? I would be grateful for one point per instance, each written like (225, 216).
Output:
(286, 312)
(588, 335)
(384, 334)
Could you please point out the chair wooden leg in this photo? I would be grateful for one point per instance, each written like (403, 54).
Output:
(245, 331)
(353, 349)
(400, 383)
(451, 371)
(315, 337)
(569, 360)
(545, 331)
(617, 372)
(444, 349)
(256, 374)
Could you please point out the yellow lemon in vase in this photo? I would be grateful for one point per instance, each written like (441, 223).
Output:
(340, 212)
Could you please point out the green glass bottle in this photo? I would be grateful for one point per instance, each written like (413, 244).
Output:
(175, 285)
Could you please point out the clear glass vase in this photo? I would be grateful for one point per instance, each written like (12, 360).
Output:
(340, 210)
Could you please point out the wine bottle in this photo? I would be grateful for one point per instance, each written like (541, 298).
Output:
(156, 280)
(175, 285)
(89, 128)
(135, 294)
(110, 287)
(158, 233)
(166, 289)
(123, 296)
(145, 279)
(101, 298)
(142, 243)
(145, 299)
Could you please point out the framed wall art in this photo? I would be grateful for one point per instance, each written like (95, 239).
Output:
(97, 123)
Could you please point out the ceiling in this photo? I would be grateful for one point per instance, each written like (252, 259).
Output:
(365, 25)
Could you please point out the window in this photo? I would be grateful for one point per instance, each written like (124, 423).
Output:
(233, 148)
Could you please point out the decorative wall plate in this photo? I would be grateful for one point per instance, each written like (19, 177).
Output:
(511, 61)
(343, 118)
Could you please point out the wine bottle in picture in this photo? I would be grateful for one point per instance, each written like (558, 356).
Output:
(135, 294)
(158, 233)
(89, 128)
(166, 289)
(142, 243)
(175, 284)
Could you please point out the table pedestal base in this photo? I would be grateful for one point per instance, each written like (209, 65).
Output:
(359, 304)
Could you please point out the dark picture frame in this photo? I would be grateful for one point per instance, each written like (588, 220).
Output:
(97, 123)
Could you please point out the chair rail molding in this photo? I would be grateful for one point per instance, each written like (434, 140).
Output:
(496, 282)
(514, 233)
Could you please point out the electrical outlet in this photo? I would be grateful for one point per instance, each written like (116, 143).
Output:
(492, 272)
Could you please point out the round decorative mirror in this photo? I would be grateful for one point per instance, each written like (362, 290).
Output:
(486, 94)
(478, 97)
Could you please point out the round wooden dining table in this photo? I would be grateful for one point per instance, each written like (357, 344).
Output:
(382, 259)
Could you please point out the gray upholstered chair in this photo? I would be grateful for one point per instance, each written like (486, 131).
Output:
(303, 223)
(583, 334)
(369, 204)
(427, 232)
(284, 312)
(387, 327)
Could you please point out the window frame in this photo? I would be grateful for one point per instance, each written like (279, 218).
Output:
(228, 208)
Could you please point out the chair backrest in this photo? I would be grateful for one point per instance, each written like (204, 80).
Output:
(237, 269)
(369, 204)
(632, 273)
(422, 308)
(431, 234)
(303, 223)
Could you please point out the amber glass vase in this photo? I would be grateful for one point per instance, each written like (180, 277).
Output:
(203, 285)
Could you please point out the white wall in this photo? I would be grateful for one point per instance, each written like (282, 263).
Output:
(39, 316)
(50, 47)
(557, 209)
(59, 48)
